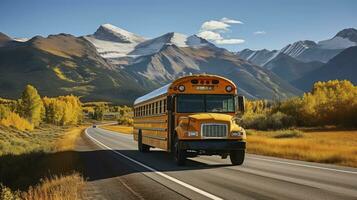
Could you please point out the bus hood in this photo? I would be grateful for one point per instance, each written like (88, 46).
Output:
(211, 116)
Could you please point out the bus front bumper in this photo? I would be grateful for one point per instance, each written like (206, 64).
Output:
(212, 145)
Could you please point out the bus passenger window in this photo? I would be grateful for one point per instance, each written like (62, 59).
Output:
(160, 106)
(156, 107)
(165, 106)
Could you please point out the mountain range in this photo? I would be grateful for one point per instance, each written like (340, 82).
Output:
(113, 64)
(301, 62)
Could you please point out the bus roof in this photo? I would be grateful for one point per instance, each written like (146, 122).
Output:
(155, 93)
(165, 89)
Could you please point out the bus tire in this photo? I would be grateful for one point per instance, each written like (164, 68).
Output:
(179, 154)
(142, 147)
(237, 157)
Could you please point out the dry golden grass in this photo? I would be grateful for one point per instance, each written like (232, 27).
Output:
(335, 147)
(56, 188)
(69, 140)
(55, 149)
(119, 128)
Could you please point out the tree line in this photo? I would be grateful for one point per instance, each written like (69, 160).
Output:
(31, 110)
(328, 103)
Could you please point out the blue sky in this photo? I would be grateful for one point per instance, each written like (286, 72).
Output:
(280, 21)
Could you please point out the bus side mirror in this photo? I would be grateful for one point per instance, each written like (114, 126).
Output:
(241, 101)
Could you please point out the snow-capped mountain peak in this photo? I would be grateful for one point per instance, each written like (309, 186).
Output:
(178, 39)
(348, 33)
(297, 48)
(112, 33)
(343, 39)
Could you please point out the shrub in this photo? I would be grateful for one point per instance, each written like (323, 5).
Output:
(289, 134)
(14, 120)
(4, 111)
(125, 120)
(267, 121)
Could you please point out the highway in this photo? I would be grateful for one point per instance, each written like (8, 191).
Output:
(118, 171)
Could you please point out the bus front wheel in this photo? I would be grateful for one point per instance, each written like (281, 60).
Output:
(142, 147)
(179, 154)
(237, 157)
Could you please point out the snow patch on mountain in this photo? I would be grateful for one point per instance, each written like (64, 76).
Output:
(180, 40)
(114, 43)
(336, 43)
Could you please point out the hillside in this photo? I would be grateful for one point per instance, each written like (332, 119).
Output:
(63, 64)
(290, 69)
(165, 58)
(343, 66)
(172, 61)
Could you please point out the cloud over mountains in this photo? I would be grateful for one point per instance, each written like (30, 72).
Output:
(212, 30)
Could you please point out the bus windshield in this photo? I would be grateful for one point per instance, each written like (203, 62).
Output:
(192, 103)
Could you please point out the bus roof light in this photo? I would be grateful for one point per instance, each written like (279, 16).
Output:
(181, 88)
(194, 81)
(229, 88)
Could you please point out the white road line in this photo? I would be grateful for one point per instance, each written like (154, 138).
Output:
(304, 165)
(204, 193)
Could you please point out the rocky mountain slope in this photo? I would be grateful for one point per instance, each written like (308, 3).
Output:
(306, 50)
(289, 68)
(63, 64)
(164, 58)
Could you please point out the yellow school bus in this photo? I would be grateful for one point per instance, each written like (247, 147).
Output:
(194, 115)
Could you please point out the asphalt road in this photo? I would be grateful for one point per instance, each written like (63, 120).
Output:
(118, 171)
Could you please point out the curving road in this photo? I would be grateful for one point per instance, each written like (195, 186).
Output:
(116, 170)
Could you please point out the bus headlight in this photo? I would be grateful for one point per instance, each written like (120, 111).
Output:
(192, 133)
(236, 133)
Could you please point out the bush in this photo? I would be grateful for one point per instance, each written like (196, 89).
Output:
(124, 120)
(4, 111)
(289, 134)
(14, 120)
(267, 121)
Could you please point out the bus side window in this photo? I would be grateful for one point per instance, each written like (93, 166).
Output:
(165, 106)
(160, 106)
(156, 107)
(149, 109)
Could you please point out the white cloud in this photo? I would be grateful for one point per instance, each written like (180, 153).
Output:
(259, 33)
(214, 25)
(230, 21)
(230, 41)
(210, 35)
(211, 30)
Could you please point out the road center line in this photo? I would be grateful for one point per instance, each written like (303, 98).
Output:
(202, 192)
(304, 165)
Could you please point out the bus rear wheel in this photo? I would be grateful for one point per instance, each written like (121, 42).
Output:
(179, 154)
(142, 147)
(237, 157)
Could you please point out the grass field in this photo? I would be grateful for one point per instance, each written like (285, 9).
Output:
(40, 164)
(335, 147)
(118, 128)
(329, 146)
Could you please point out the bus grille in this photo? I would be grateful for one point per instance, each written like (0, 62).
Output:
(214, 130)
